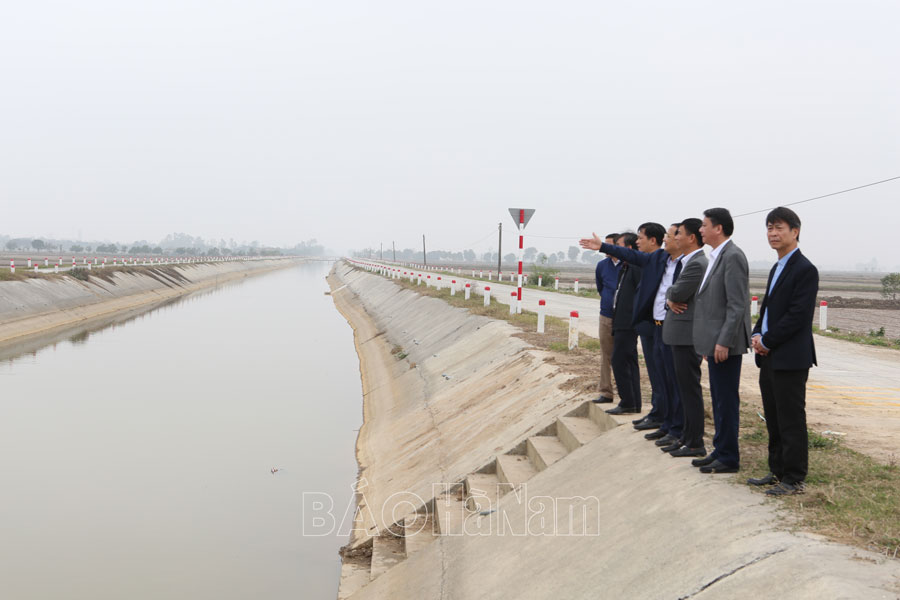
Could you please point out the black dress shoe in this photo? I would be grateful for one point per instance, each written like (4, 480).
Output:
(602, 400)
(717, 466)
(647, 425)
(618, 410)
(786, 489)
(702, 462)
(672, 447)
(641, 420)
(667, 440)
(655, 435)
(685, 451)
(769, 479)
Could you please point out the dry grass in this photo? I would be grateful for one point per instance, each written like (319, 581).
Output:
(850, 497)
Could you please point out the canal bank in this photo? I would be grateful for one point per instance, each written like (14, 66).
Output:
(452, 398)
(34, 311)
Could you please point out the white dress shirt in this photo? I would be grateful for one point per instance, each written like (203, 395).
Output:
(659, 303)
(713, 255)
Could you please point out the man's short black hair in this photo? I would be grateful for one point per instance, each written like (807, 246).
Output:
(653, 230)
(692, 227)
(614, 236)
(630, 240)
(720, 216)
(784, 215)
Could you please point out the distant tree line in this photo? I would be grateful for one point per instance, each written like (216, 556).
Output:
(174, 243)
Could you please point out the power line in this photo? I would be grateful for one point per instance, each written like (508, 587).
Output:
(853, 189)
(762, 210)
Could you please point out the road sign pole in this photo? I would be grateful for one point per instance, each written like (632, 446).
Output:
(521, 250)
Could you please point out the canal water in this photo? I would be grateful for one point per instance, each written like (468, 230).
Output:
(136, 460)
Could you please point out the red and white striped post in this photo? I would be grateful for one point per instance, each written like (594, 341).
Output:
(754, 305)
(487, 295)
(468, 290)
(540, 280)
(573, 330)
(73, 262)
(542, 309)
(512, 303)
(12, 266)
(439, 282)
(35, 267)
(576, 286)
(490, 274)
(46, 262)
(452, 287)
(823, 315)
(29, 263)
(556, 283)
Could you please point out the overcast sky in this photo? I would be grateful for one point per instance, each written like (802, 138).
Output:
(364, 122)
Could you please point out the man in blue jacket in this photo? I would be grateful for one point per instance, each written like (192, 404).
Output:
(783, 342)
(607, 278)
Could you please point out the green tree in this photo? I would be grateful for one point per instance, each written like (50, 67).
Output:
(890, 285)
(37, 244)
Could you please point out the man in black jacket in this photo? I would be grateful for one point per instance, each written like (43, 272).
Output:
(624, 355)
(785, 351)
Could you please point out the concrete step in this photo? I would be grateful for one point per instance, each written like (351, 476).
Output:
(483, 491)
(450, 512)
(544, 450)
(387, 551)
(514, 469)
(575, 432)
(419, 530)
(602, 419)
(355, 574)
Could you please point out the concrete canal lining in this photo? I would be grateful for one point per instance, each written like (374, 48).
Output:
(447, 393)
(33, 309)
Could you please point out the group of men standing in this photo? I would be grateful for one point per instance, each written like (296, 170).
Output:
(659, 286)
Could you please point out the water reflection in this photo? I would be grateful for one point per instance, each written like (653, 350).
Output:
(136, 456)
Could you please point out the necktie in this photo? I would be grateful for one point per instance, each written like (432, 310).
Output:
(677, 272)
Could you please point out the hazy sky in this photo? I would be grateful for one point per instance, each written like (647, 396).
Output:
(365, 122)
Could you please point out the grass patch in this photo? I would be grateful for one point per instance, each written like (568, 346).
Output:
(875, 337)
(850, 497)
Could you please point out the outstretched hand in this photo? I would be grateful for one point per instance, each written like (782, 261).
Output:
(593, 243)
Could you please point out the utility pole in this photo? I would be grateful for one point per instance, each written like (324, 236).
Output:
(394, 248)
(424, 255)
(499, 247)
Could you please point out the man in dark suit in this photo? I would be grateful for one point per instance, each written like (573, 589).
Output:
(624, 355)
(678, 334)
(785, 351)
(722, 335)
(653, 261)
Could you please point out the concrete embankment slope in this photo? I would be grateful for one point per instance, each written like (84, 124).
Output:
(39, 307)
(595, 511)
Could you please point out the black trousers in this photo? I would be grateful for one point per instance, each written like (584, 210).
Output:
(724, 389)
(687, 376)
(625, 368)
(655, 370)
(784, 404)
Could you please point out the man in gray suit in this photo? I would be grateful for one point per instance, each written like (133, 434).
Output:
(678, 333)
(722, 335)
